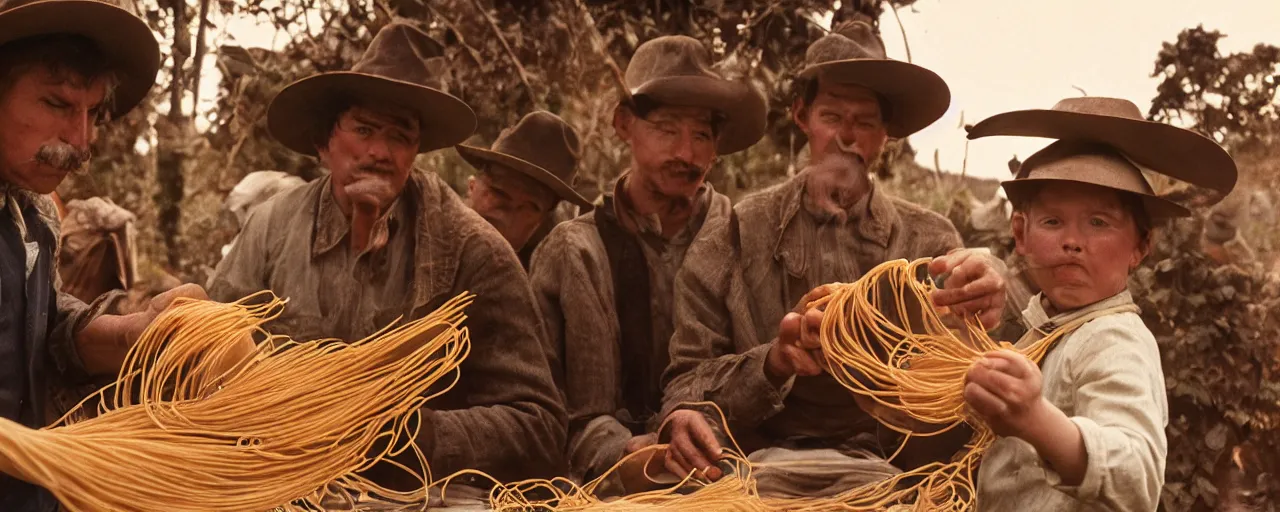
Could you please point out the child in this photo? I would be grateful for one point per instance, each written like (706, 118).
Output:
(1086, 431)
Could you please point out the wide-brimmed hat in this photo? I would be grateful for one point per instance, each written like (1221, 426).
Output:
(1093, 163)
(120, 35)
(1169, 150)
(854, 54)
(402, 66)
(541, 146)
(676, 70)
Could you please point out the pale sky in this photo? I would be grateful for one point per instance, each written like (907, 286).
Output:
(1001, 55)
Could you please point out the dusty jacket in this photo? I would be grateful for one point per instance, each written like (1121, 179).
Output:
(572, 280)
(504, 417)
(744, 274)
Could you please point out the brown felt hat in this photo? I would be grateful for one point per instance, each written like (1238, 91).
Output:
(676, 70)
(402, 65)
(1169, 150)
(541, 146)
(1093, 163)
(124, 38)
(855, 55)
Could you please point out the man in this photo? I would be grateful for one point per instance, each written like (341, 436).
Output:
(523, 177)
(66, 66)
(743, 339)
(375, 240)
(605, 280)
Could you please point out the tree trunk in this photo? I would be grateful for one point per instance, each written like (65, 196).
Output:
(173, 141)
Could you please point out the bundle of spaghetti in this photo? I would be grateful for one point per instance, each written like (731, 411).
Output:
(293, 424)
(896, 351)
(919, 371)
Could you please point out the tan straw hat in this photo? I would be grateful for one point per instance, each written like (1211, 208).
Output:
(676, 70)
(402, 65)
(124, 38)
(1169, 150)
(855, 55)
(541, 146)
(1093, 163)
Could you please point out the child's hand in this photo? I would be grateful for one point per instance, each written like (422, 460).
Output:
(1004, 389)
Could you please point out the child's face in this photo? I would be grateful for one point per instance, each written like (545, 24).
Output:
(1079, 241)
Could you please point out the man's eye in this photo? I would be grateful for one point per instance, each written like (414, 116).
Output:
(55, 103)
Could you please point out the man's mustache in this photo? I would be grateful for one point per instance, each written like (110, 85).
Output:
(376, 168)
(63, 157)
(684, 170)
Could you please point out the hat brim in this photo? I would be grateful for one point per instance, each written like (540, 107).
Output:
(294, 115)
(478, 157)
(1157, 207)
(743, 107)
(1169, 150)
(124, 38)
(918, 97)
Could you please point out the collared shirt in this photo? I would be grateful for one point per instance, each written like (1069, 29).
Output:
(375, 282)
(13, 199)
(1106, 377)
(664, 256)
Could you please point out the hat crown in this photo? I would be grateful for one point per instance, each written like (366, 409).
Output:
(545, 140)
(1100, 106)
(1087, 162)
(666, 57)
(403, 52)
(853, 40)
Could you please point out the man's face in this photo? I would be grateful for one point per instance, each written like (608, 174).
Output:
(1080, 243)
(842, 114)
(369, 156)
(672, 149)
(47, 126)
(515, 204)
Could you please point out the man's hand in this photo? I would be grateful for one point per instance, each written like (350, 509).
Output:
(798, 348)
(369, 198)
(693, 446)
(104, 342)
(974, 285)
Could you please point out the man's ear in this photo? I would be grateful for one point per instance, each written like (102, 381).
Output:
(623, 121)
(800, 115)
(471, 187)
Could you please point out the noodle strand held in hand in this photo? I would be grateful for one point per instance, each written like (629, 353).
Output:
(294, 424)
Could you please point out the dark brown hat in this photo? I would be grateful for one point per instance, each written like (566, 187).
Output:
(676, 70)
(855, 55)
(124, 38)
(541, 146)
(1169, 150)
(402, 65)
